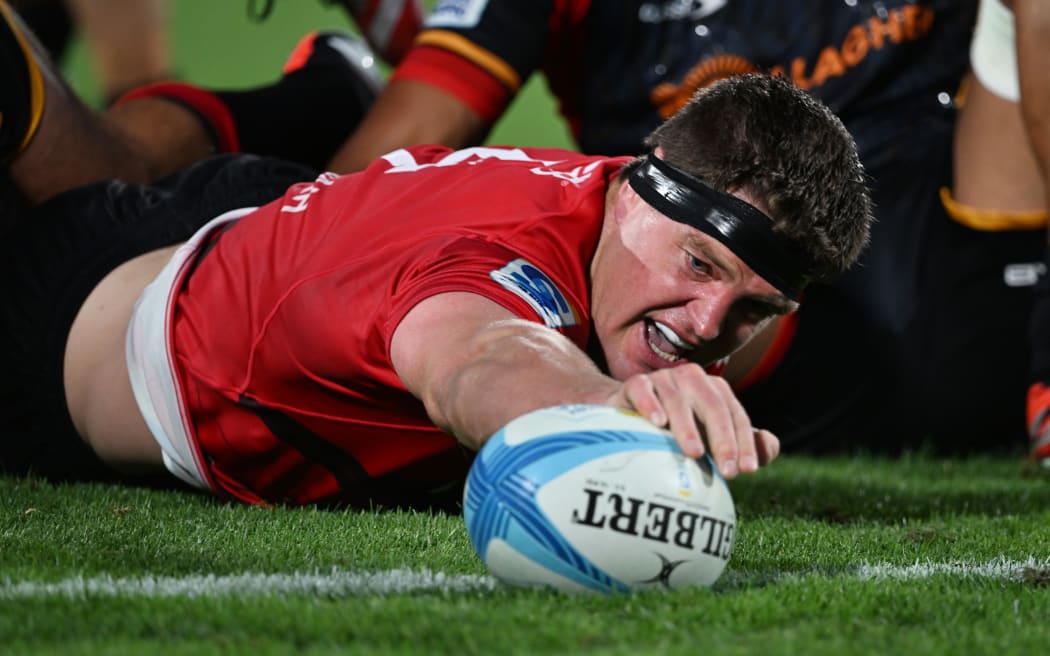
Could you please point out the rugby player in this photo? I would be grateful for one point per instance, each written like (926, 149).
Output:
(356, 339)
(889, 355)
(327, 83)
(1002, 164)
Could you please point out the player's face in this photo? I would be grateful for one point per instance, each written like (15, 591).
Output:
(664, 293)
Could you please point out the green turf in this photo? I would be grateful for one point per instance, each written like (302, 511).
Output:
(793, 585)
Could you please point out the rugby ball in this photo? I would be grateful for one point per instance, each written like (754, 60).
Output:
(591, 498)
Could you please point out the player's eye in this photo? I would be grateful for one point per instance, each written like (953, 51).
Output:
(699, 265)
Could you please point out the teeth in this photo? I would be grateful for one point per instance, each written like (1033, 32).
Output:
(672, 337)
(663, 337)
(664, 355)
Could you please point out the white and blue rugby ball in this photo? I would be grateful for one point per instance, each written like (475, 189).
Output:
(591, 498)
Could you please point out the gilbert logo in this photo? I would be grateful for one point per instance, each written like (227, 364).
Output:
(538, 290)
(655, 521)
(667, 567)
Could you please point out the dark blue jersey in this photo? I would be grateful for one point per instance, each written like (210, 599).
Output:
(888, 353)
(618, 67)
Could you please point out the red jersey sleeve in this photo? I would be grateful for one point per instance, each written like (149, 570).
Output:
(531, 291)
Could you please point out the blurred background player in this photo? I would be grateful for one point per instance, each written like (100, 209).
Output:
(888, 356)
(1033, 40)
(41, 118)
(1002, 161)
(129, 41)
(389, 26)
(328, 83)
(328, 80)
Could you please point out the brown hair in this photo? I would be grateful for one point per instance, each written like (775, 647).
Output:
(766, 136)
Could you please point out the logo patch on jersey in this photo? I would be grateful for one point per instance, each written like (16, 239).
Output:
(885, 29)
(671, 10)
(456, 13)
(535, 288)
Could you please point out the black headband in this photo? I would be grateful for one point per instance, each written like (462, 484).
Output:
(741, 227)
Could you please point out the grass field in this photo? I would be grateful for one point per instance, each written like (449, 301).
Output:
(855, 555)
(836, 556)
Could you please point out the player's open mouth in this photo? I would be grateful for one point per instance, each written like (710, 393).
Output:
(664, 342)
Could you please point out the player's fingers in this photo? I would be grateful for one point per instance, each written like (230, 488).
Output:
(744, 433)
(706, 405)
(640, 393)
(678, 403)
(767, 446)
(720, 420)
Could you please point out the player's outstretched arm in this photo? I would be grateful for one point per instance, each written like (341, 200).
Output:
(409, 113)
(476, 366)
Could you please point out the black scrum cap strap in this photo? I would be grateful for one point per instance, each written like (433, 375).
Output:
(738, 225)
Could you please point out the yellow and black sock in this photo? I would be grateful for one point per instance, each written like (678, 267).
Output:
(22, 102)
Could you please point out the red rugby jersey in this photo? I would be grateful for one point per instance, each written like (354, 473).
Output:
(281, 332)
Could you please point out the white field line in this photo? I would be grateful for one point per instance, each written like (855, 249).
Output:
(996, 569)
(339, 583)
(999, 569)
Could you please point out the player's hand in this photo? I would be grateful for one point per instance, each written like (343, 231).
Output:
(703, 414)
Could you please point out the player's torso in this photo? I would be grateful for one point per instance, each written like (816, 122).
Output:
(642, 59)
(854, 56)
(309, 290)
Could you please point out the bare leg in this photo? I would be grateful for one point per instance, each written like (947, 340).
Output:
(72, 145)
(1033, 20)
(128, 41)
(995, 166)
(158, 129)
(1033, 30)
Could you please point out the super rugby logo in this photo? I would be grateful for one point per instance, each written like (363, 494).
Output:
(456, 13)
(685, 484)
(535, 288)
(658, 12)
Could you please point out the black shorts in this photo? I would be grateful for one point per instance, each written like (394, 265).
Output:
(923, 343)
(54, 258)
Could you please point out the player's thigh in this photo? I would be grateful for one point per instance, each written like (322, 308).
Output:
(54, 256)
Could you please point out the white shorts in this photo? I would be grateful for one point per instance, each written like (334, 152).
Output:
(148, 351)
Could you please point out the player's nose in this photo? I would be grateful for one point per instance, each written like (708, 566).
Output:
(707, 314)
